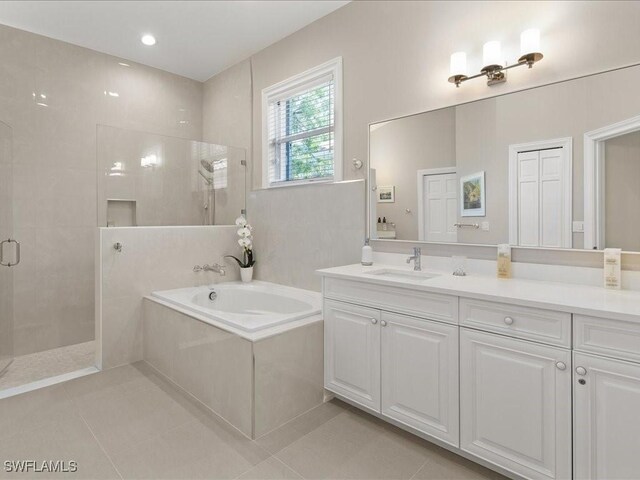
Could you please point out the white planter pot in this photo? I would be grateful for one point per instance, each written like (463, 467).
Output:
(246, 274)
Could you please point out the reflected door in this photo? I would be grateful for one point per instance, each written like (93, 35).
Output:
(6, 232)
(440, 208)
(543, 190)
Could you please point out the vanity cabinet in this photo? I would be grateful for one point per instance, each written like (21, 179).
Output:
(606, 418)
(515, 404)
(420, 375)
(352, 352)
(402, 367)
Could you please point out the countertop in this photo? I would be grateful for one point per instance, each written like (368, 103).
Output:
(577, 299)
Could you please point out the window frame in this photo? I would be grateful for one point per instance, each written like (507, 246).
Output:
(290, 85)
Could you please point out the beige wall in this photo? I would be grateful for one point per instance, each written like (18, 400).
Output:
(400, 148)
(396, 54)
(152, 258)
(622, 190)
(54, 168)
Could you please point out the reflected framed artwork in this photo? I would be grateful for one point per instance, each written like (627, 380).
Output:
(472, 191)
(387, 194)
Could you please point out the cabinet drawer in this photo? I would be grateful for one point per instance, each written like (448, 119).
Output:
(401, 300)
(613, 338)
(544, 326)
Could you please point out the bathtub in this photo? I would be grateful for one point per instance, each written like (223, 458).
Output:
(245, 307)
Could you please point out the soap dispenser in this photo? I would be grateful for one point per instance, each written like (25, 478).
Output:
(367, 254)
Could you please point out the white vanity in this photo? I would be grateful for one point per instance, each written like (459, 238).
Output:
(539, 379)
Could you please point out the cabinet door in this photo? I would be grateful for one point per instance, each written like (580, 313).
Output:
(606, 418)
(352, 352)
(515, 404)
(420, 375)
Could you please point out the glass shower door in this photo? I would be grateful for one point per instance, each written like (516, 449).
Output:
(8, 253)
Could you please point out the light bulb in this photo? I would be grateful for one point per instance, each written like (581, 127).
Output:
(530, 41)
(491, 54)
(458, 64)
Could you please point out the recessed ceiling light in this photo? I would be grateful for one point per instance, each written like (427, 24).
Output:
(148, 39)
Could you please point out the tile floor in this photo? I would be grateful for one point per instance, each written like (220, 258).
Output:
(130, 423)
(50, 363)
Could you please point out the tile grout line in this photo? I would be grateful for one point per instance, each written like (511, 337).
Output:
(420, 469)
(101, 447)
(289, 467)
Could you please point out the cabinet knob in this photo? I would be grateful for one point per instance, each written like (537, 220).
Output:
(374, 320)
(508, 320)
(561, 365)
(383, 323)
(581, 371)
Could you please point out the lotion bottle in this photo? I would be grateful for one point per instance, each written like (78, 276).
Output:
(504, 260)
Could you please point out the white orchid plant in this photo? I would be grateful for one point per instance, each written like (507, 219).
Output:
(245, 242)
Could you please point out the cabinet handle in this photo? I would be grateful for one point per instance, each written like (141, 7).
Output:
(383, 323)
(561, 365)
(374, 320)
(581, 371)
(508, 320)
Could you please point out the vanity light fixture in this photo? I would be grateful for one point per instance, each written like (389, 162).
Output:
(148, 40)
(493, 68)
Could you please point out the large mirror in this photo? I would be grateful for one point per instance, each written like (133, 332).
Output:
(556, 166)
(148, 179)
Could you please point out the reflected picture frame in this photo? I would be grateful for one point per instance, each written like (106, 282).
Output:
(386, 194)
(472, 195)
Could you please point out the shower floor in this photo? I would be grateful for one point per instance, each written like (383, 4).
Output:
(50, 363)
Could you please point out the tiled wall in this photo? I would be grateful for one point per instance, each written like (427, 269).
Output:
(300, 229)
(53, 95)
(152, 258)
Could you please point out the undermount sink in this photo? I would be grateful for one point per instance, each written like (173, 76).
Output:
(393, 274)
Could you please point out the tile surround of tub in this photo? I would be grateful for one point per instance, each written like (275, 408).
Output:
(255, 386)
(152, 258)
(214, 366)
(300, 229)
(289, 376)
(54, 168)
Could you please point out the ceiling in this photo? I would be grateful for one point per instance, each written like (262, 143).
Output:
(196, 39)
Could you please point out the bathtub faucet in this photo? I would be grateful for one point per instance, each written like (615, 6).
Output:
(216, 267)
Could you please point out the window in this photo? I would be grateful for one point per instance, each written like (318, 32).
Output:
(302, 128)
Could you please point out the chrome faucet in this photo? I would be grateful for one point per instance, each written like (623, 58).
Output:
(216, 267)
(417, 265)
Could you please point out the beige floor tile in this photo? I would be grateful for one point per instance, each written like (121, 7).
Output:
(355, 445)
(65, 438)
(297, 428)
(446, 465)
(270, 469)
(195, 450)
(126, 415)
(22, 413)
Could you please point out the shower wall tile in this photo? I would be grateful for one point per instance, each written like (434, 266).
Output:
(152, 258)
(55, 170)
(300, 229)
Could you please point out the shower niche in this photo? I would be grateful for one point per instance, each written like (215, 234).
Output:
(121, 213)
(145, 179)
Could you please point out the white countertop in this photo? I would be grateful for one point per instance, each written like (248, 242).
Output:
(579, 299)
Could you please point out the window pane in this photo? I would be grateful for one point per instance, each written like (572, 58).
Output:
(310, 157)
(310, 110)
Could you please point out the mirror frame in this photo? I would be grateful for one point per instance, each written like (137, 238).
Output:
(593, 155)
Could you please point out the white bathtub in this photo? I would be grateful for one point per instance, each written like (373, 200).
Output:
(248, 307)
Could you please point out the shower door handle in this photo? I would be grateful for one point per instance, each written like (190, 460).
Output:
(9, 264)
